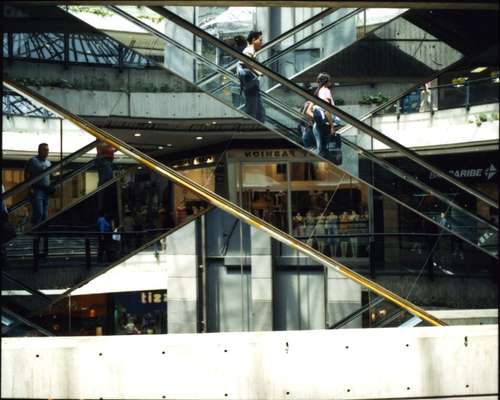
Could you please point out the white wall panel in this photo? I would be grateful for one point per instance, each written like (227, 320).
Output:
(349, 364)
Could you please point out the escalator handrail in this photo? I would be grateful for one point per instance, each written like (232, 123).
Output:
(59, 182)
(66, 160)
(29, 289)
(22, 320)
(133, 253)
(412, 155)
(81, 199)
(355, 314)
(312, 36)
(223, 203)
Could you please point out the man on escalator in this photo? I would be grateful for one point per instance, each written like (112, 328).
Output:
(41, 190)
(249, 78)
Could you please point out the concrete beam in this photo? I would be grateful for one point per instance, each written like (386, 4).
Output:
(447, 362)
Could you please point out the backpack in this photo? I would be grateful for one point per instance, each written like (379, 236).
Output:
(248, 80)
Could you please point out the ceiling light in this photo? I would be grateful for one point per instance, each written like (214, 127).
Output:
(214, 122)
(160, 147)
(137, 134)
(150, 122)
(199, 137)
(478, 70)
(139, 167)
(169, 144)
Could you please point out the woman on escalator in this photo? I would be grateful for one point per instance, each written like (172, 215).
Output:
(323, 120)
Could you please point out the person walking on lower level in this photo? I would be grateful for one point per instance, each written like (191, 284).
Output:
(40, 190)
(104, 245)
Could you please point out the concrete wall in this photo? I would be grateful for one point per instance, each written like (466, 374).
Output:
(350, 364)
(82, 77)
(138, 105)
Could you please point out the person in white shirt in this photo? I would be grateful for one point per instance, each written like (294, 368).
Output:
(249, 78)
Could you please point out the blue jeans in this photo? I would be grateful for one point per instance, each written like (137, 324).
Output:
(104, 169)
(308, 138)
(320, 137)
(253, 105)
(40, 206)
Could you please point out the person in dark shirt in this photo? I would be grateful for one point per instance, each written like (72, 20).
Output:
(40, 190)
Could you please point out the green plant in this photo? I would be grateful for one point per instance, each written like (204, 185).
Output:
(483, 117)
(377, 99)
(339, 101)
(495, 116)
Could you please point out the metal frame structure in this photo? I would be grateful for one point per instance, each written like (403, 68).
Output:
(70, 48)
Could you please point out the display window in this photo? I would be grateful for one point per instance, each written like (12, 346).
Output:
(308, 200)
(187, 203)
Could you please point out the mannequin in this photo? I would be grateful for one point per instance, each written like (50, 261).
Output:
(344, 229)
(320, 231)
(309, 222)
(331, 230)
(298, 224)
(354, 228)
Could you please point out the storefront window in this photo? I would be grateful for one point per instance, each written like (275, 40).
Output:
(309, 200)
(327, 207)
(264, 192)
(187, 203)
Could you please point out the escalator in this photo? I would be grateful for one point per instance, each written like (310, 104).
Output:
(246, 219)
(404, 186)
(426, 251)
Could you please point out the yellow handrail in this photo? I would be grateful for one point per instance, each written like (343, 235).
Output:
(222, 203)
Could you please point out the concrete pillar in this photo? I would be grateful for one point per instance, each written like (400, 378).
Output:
(262, 288)
(182, 266)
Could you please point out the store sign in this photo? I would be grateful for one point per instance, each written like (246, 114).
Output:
(461, 173)
(153, 297)
(271, 154)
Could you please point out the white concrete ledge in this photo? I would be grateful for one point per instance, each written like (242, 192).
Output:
(327, 364)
